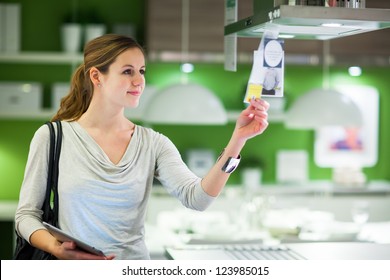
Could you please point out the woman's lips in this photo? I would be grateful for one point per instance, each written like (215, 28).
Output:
(134, 93)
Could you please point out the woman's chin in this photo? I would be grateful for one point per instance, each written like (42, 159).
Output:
(132, 105)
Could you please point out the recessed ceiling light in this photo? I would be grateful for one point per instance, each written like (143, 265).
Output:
(187, 67)
(286, 36)
(355, 71)
(331, 24)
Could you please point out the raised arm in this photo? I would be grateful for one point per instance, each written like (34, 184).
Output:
(251, 122)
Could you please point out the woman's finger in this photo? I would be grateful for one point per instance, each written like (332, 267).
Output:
(259, 104)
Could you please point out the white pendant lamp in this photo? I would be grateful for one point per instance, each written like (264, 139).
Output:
(190, 104)
(185, 103)
(323, 106)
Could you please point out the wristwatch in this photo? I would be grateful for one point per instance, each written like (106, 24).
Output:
(231, 164)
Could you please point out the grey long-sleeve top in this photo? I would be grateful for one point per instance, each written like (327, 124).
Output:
(100, 202)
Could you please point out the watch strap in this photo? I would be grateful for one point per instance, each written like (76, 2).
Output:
(231, 164)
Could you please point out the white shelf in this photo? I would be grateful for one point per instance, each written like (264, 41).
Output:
(45, 114)
(42, 58)
(40, 115)
(48, 114)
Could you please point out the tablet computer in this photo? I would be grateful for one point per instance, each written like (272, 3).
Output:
(62, 236)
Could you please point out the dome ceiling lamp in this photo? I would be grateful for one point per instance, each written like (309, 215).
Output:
(185, 103)
(323, 106)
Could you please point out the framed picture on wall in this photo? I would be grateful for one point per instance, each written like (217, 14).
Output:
(337, 146)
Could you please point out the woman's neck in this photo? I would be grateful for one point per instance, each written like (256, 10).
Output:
(104, 118)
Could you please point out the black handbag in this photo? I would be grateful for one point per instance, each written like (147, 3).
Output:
(23, 249)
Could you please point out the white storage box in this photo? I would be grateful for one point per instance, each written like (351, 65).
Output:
(59, 90)
(11, 22)
(20, 97)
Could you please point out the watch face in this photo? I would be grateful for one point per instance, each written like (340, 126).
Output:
(230, 165)
(230, 168)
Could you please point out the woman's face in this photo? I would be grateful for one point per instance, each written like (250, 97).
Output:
(124, 82)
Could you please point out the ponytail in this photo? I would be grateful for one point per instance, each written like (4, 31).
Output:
(78, 99)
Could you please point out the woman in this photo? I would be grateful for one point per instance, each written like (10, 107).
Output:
(108, 163)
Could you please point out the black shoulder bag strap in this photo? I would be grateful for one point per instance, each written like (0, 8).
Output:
(23, 249)
(51, 213)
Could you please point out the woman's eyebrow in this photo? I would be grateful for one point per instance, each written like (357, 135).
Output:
(132, 66)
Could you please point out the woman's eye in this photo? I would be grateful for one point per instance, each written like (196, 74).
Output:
(128, 72)
(142, 71)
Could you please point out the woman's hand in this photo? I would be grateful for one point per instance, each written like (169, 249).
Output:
(43, 240)
(69, 251)
(253, 120)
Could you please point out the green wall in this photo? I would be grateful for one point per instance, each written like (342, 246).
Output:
(40, 29)
(16, 134)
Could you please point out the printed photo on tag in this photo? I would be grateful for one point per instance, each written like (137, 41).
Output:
(267, 74)
(273, 68)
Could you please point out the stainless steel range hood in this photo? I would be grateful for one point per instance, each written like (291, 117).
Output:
(309, 22)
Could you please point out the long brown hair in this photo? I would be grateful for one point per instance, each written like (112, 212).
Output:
(100, 53)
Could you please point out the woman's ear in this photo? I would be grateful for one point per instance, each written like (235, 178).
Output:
(94, 75)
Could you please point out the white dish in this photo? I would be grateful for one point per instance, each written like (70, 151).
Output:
(331, 231)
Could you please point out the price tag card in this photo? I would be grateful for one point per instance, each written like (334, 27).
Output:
(267, 75)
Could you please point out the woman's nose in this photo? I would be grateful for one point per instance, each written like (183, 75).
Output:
(138, 80)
